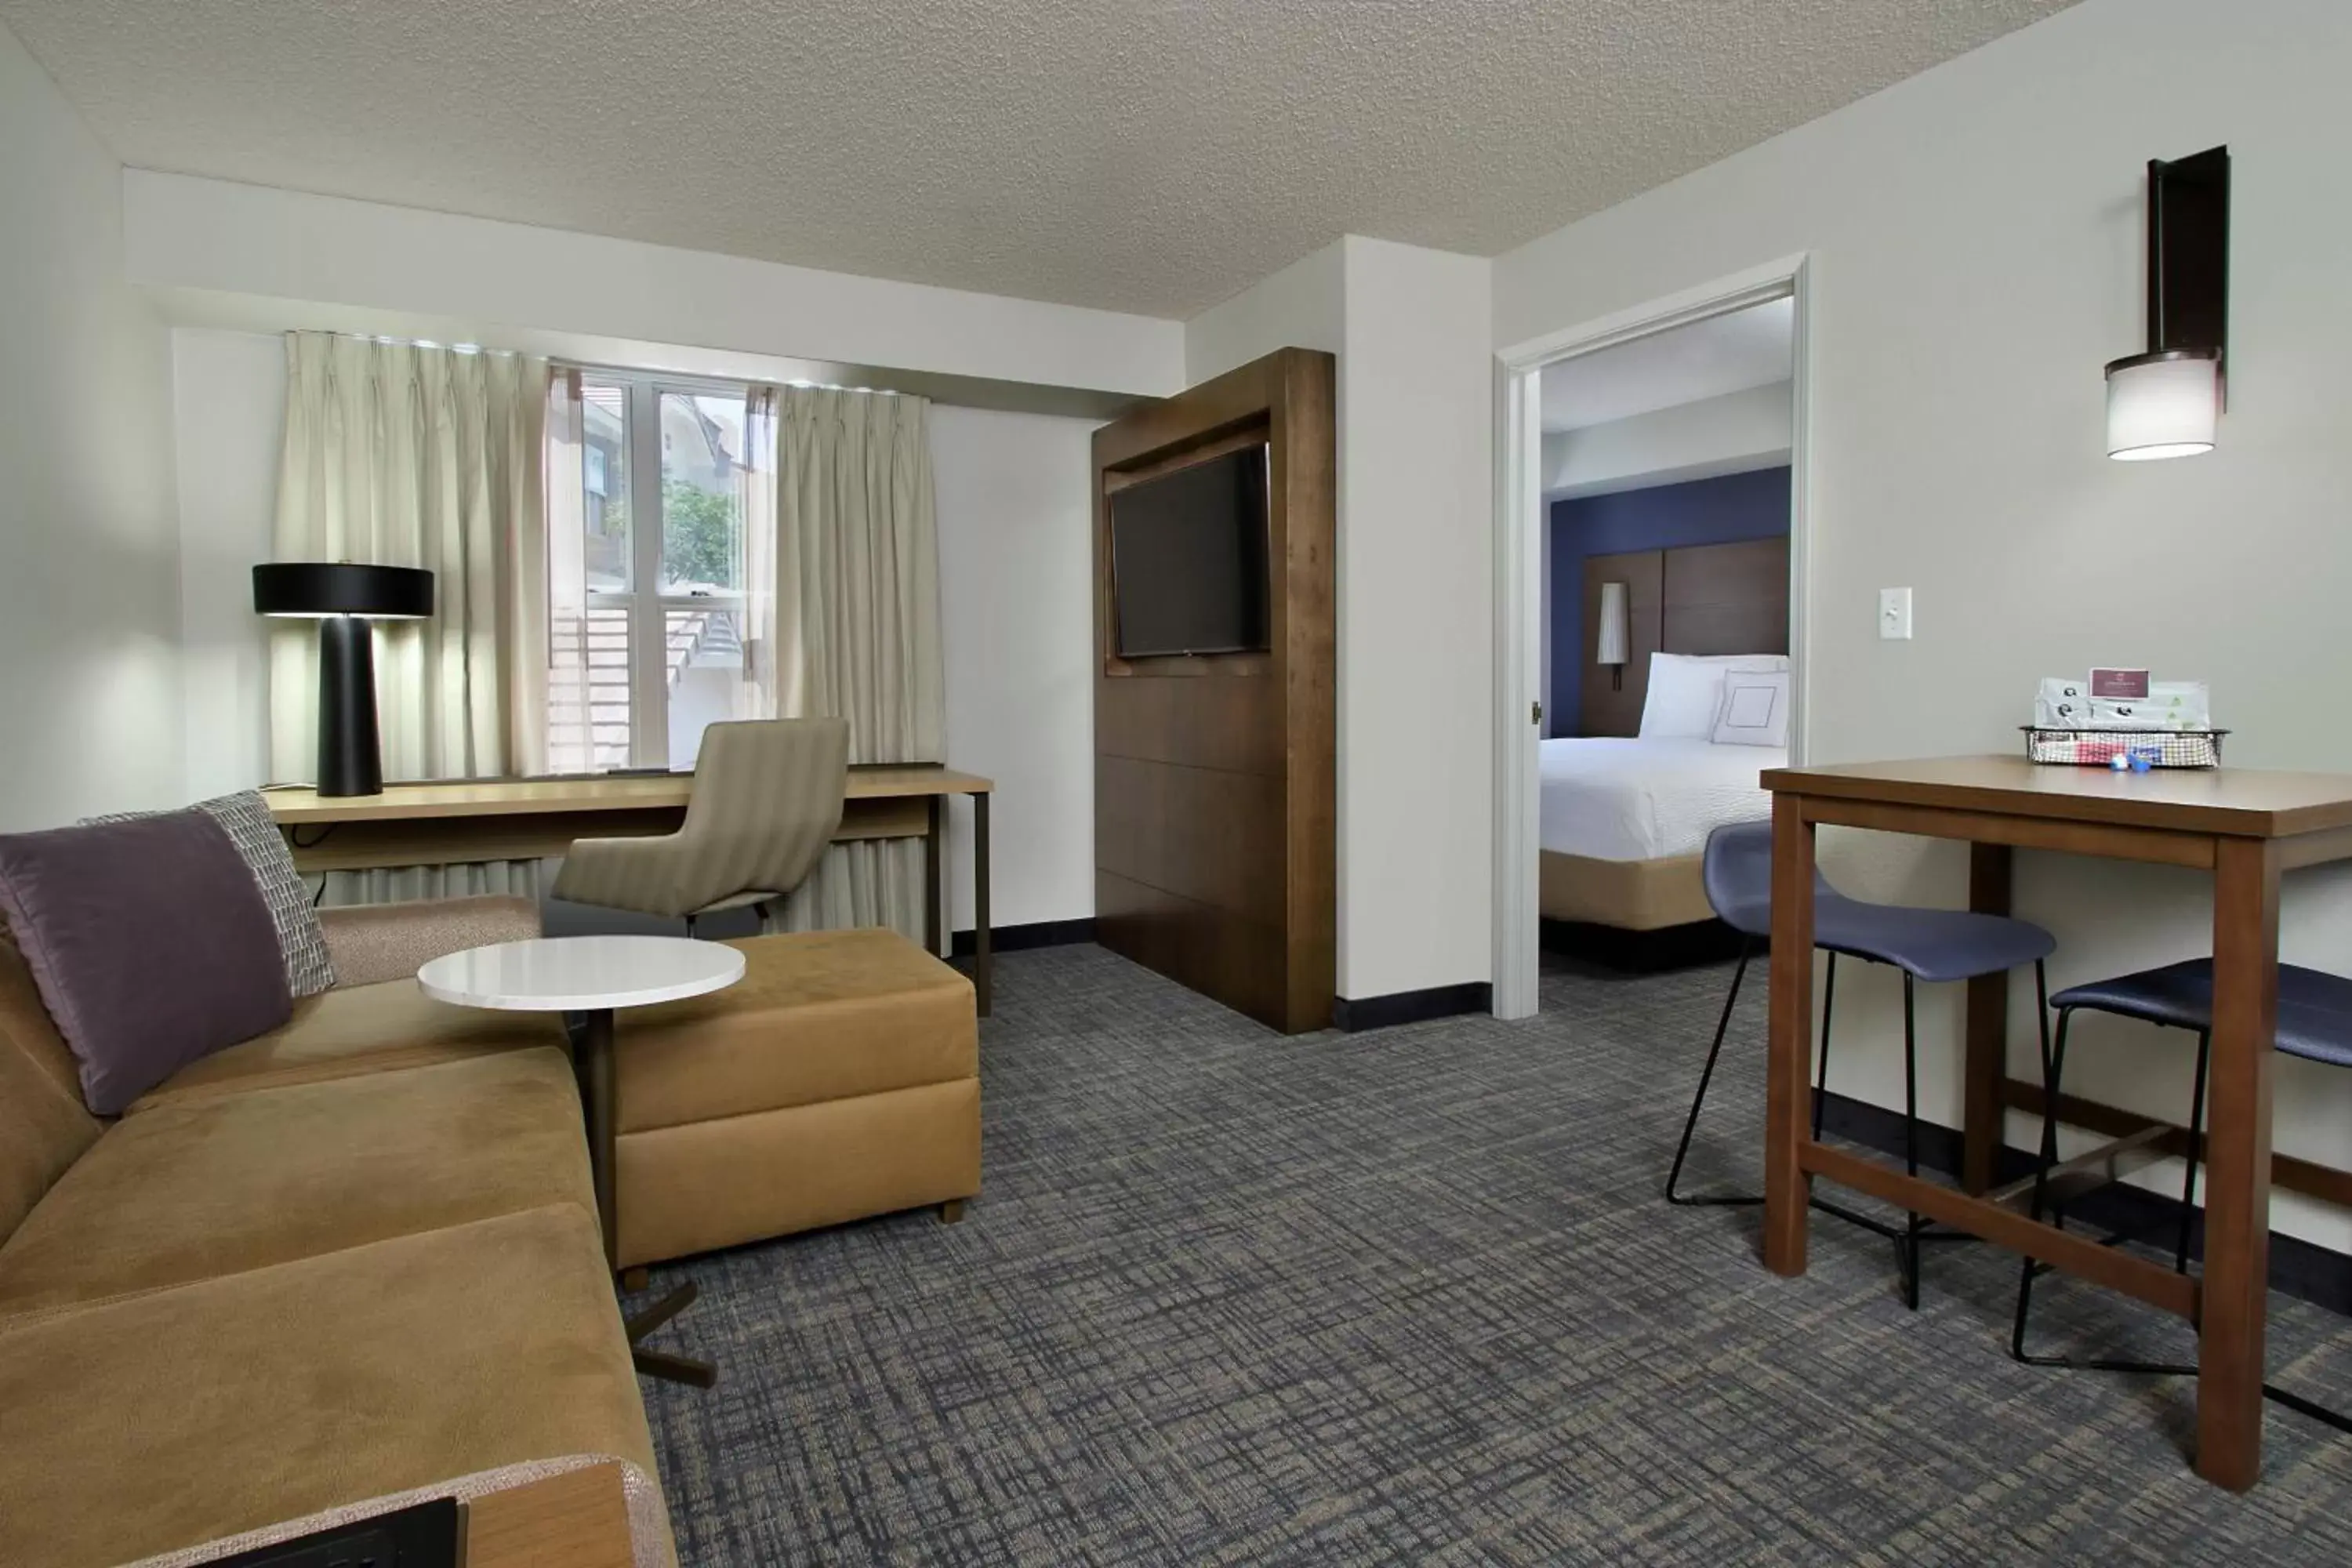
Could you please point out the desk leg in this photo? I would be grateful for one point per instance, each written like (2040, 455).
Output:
(935, 833)
(2236, 1288)
(1981, 1134)
(983, 957)
(1787, 1189)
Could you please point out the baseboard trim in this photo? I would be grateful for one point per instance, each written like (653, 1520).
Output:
(1037, 933)
(2298, 1268)
(1355, 1014)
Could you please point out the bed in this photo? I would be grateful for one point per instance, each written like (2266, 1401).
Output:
(1623, 821)
(1624, 817)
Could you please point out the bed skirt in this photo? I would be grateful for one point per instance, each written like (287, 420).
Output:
(1632, 895)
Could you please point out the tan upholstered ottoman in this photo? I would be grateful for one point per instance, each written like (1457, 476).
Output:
(838, 1078)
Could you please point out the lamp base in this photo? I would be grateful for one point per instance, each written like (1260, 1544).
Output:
(349, 760)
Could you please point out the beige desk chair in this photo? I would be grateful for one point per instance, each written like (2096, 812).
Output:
(767, 798)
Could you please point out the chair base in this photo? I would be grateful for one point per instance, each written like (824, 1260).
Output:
(2054, 1068)
(662, 1363)
(1913, 1232)
(2270, 1391)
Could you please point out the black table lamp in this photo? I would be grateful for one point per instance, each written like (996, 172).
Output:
(343, 598)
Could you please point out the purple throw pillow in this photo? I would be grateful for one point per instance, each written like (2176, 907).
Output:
(150, 942)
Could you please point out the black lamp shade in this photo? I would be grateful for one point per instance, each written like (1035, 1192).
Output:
(322, 588)
(343, 598)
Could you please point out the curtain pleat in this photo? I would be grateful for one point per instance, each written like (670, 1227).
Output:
(402, 454)
(396, 884)
(841, 523)
(399, 455)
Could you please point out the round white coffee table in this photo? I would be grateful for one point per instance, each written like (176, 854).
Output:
(585, 978)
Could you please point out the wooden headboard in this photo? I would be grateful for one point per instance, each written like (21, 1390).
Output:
(1696, 598)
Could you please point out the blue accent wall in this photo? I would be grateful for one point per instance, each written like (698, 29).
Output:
(1725, 511)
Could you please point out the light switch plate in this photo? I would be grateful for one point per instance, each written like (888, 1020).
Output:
(1895, 613)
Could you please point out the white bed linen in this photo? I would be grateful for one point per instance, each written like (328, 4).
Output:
(1609, 798)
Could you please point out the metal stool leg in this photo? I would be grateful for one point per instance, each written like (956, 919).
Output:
(1707, 1075)
(2196, 1146)
(1910, 1243)
(2053, 1067)
(1821, 1083)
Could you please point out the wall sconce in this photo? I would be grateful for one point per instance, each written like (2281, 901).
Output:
(1609, 648)
(2167, 401)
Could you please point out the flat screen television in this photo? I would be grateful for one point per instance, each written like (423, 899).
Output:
(1188, 551)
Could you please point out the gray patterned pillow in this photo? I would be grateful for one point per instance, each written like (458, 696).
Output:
(301, 940)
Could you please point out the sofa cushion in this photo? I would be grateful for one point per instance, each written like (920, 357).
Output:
(374, 943)
(184, 1416)
(301, 944)
(44, 1127)
(384, 1027)
(213, 1185)
(818, 1015)
(150, 942)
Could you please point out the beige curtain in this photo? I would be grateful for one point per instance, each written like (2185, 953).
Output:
(845, 613)
(397, 884)
(399, 455)
(402, 455)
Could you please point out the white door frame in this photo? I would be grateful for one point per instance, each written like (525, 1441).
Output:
(1519, 589)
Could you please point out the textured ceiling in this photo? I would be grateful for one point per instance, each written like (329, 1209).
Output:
(1713, 358)
(1147, 155)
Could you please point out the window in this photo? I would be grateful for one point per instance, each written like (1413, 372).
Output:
(658, 651)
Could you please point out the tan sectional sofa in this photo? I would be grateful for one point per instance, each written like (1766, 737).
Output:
(264, 1295)
(359, 1255)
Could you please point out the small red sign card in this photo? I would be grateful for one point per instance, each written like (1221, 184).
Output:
(2122, 685)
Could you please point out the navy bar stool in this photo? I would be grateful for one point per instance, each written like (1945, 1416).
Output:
(2314, 1021)
(1934, 945)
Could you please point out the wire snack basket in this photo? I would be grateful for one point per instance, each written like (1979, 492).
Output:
(2100, 748)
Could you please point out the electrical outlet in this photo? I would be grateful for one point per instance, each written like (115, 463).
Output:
(1895, 613)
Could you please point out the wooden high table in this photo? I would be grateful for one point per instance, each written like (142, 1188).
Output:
(2245, 827)
(468, 820)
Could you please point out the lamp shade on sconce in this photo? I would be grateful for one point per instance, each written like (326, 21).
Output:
(2167, 403)
(1610, 647)
(2163, 405)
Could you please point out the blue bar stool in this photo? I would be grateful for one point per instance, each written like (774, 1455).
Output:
(2314, 1022)
(1934, 945)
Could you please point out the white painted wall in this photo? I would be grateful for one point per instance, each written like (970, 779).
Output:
(88, 568)
(1416, 614)
(1732, 434)
(229, 401)
(1410, 329)
(1977, 237)
(477, 275)
(1016, 574)
(1304, 306)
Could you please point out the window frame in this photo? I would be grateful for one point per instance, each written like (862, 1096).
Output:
(647, 607)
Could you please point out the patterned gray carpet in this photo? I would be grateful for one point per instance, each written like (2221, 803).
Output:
(1412, 1296)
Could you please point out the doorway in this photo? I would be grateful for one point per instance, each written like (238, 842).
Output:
(1522, 526)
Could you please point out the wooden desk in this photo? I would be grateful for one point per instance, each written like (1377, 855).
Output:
(576, 1520)
(2245, 827)
(530, 819)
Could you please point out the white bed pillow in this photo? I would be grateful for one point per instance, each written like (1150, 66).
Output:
(1754, 709)
(1685, 695)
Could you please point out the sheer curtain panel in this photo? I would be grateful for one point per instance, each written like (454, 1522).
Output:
(405, 455)
(845, 613)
